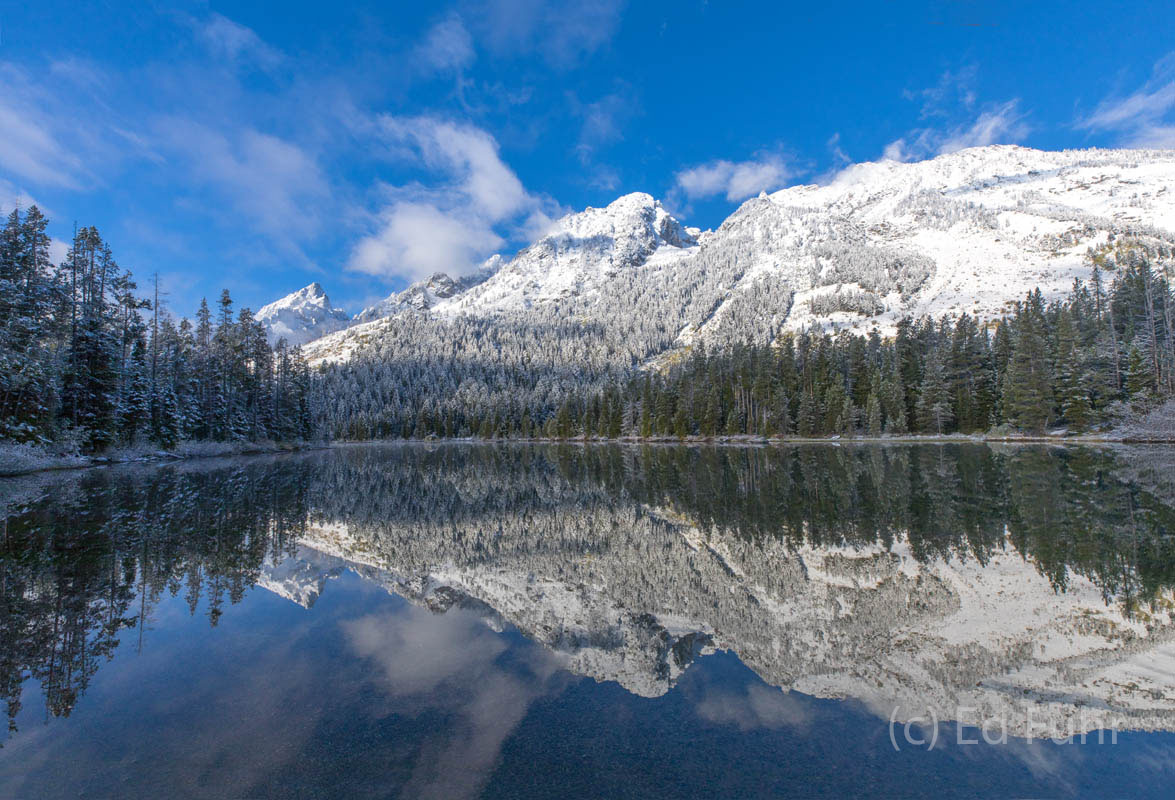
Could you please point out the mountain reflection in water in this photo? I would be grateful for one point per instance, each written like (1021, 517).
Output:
(1027, 584)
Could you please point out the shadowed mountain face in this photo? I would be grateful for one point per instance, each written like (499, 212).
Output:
(1029, 584)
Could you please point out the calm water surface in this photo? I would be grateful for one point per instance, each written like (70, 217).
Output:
(527, 621)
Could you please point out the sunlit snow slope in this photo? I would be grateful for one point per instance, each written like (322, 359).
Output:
(971, 231)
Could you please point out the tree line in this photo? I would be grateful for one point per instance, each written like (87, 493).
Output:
(84, 358)
(1076, 362)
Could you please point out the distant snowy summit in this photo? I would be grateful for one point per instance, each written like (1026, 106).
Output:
(971, 231)
(302, 316)
(424, 295)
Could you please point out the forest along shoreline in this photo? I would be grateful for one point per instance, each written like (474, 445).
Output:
(93, 373)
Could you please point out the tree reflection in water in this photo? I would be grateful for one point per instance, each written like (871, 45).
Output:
(86, 557)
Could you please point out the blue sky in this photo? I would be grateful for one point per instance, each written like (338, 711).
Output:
(261, 146)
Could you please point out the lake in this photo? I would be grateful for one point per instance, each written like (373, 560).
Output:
(510, 620)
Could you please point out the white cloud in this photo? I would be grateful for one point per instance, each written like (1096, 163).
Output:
(11, 197)
(736, 180)
(418, 239)
(1002, 124)
(468, 155)
(895, 151)
(447, 47)
(448, 227)
(561, 32)
(58, 250)
(1160, 137)
(953, 103)
(998, 125)
(1144, 117)
(839, 156)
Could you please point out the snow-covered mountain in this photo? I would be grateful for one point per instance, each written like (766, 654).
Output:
(303, 316)
(426, 294)
(970, 231)
(580, 253)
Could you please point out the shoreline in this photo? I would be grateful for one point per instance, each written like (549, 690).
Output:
(750, 440)
(194, 451)
(205, 450)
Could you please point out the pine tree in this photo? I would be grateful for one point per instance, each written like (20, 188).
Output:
(1140, 380)
(1027, 388)
(873, 414)
(780, 421)
(808, 418)
(896, 421)
(710, 412)
(563, 426)
(834, 408)
(1070, 384)
(934, 404)
(134, 404)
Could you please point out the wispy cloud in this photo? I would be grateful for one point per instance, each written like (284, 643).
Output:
(12, 197)
(603, 120)
(955, 89)
(562, 33)
(35, 144)
(235, 43)
(839, 156)
(959, 120)
(447, 47)
(274, 183)
(1001, 124)
(735, 180)
(1144, 117)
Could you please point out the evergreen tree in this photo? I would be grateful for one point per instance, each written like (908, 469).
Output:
(934, 402)
(1070, 382)
(1140, 380)
(873, 417)
(1028, 397)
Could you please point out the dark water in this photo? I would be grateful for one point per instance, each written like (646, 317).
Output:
(517, 621)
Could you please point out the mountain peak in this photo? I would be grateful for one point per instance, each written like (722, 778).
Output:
(633, 222)
(634, 199)
(302, 316)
